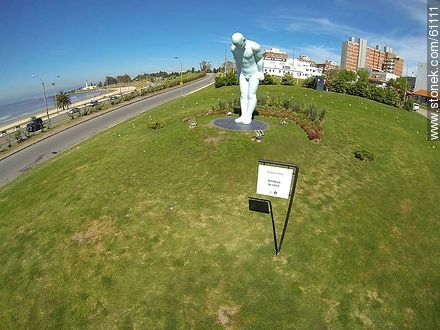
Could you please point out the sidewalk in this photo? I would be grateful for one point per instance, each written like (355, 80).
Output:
(54, 111)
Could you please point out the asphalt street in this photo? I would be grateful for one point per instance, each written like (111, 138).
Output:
(20, 162)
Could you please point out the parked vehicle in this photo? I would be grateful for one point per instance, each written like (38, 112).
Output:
(114, 97)
(92, 103)
(34, 125)
(416, 106)
(74, 111)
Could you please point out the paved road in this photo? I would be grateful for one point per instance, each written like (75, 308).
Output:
(14, 165)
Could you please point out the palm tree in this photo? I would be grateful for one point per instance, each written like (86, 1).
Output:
(62, 100)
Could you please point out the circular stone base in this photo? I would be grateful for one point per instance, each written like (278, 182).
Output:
(229, 124)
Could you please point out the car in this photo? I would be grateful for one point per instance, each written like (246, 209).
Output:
(34, 125)
(92, 103)
(114, 97)
(416, 106)
(74, 111)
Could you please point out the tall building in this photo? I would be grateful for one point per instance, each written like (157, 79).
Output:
(357, 55)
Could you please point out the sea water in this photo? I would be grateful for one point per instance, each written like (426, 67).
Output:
(10, 111)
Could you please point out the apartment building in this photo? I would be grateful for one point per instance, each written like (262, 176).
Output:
(277, 63)
(355, 55)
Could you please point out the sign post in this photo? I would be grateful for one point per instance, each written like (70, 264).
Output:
(275, 179)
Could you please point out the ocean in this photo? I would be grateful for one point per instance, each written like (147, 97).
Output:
(10, 111)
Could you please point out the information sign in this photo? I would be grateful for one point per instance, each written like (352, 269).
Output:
(274, 181)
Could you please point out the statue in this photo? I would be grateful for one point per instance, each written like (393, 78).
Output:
(248, 57)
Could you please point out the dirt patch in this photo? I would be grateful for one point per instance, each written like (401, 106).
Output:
(280, 259)
(409, 314)
(405, 207)
(332, 311)
(94, 232)
(213, 140)
(396, 232)
(366, 321)
(226, 315)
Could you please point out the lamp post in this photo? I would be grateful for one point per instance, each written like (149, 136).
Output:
(181, 80)
(55, 94)
(45, 99)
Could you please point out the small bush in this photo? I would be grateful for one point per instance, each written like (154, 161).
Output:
(310, 82)
(268, 80)
(228, 79)
(156, 125)
(364, 155)
(18, 136)
(408, 105)
(288, 80)
(311, 112)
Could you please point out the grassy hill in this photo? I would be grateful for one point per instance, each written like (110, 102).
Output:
(150, 229)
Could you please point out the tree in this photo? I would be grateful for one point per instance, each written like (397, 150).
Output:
(400, 85)
(110, 81)
(123, 79)
(339, 81)
(62, 100)
(363, 75)
(205, 66)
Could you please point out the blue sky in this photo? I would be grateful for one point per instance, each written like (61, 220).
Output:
(86, 40)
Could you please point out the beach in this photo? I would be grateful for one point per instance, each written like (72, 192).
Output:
(11, 125)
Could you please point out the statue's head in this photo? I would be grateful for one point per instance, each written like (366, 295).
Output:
(238, 39)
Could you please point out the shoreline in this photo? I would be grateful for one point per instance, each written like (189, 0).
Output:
(23, 120)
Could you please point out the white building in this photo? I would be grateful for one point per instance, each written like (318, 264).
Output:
(421, 81)
(277, 63)
(89, 86)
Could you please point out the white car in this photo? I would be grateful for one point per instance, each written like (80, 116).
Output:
(416, 106)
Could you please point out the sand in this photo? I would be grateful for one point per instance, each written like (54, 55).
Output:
(53, 112)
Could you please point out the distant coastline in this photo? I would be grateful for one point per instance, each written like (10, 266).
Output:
(11, 111)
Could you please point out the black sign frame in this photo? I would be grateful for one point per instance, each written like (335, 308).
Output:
(257, 204)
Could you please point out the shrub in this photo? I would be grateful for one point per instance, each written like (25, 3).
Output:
(408, 105)
(364, 155)
(18, 136)
(287, 80)
(312, 112)
(309, 82)
(156, 125)
(227, 79)
(268, 80)
(296, 106)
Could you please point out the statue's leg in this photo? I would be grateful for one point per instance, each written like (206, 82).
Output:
(252, 99)
(244, 87)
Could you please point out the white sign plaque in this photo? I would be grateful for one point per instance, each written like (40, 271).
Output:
(274, 181)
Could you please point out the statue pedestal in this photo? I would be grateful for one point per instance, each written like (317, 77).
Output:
(228, 123)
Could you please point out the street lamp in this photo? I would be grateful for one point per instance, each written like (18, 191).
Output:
(53, 84)
(181, 81)
(55, 94)
(45, 99)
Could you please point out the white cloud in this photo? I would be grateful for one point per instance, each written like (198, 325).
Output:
(414, 9)
(321, 53)
(319, 26)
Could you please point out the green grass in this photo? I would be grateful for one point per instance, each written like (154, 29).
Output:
(150, 228)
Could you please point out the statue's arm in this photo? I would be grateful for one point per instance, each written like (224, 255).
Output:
(258, 54)
(238, 61)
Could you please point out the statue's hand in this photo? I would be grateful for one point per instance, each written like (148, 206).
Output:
(260, 76)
